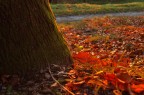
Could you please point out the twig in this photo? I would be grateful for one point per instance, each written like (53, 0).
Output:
(64, 88)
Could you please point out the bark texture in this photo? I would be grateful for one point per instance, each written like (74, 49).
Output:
(29, 37)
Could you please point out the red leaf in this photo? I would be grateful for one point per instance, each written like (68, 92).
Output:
(111, 77)
(85, 57)
(138, 88)
(82, 56)
(115, 81)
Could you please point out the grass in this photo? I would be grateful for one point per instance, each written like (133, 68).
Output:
(87, 8)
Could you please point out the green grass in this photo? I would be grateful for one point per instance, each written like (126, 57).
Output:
(87, 8)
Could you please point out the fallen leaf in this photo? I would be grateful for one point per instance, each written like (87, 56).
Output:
(137, 88)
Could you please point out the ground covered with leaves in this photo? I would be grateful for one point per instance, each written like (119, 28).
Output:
(108, 55)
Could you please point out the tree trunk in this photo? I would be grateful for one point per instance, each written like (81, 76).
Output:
(29, 37)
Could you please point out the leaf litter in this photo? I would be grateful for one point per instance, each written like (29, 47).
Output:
(108, 55)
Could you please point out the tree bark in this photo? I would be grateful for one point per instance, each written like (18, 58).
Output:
(29, 37)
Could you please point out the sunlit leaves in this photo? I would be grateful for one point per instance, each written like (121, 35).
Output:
(108, 55)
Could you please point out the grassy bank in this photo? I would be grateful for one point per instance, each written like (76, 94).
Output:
(92, 1)
(87, 8)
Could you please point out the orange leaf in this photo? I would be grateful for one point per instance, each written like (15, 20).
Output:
(84, 57)
(138, 88)
(79, 83)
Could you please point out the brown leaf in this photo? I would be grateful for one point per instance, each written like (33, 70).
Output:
(124, 77)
